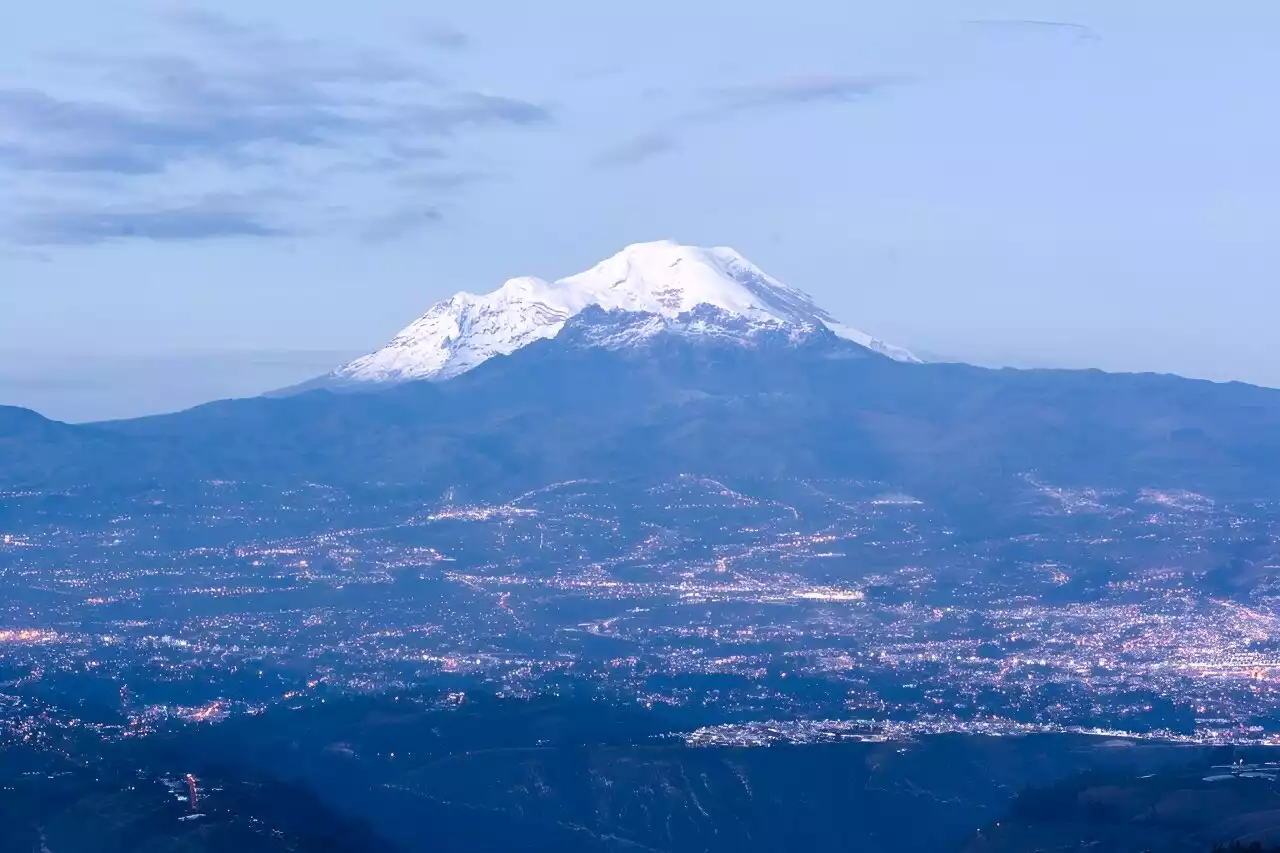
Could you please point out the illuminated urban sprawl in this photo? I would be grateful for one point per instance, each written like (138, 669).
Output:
(765, 611)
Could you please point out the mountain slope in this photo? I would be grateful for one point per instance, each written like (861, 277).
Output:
(664, 279)
(818, 407)
(91, 797)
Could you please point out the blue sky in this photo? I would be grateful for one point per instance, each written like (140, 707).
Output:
(236, 193)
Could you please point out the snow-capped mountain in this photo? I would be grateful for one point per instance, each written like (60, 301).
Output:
(669, 282)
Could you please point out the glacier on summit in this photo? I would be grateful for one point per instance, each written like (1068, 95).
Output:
(663, 279)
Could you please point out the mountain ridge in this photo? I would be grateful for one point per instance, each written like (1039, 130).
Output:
(963, 436)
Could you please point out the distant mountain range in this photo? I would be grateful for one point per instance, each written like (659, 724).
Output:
(625, 394)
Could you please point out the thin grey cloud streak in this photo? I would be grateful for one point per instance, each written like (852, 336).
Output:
(728, 103)
(438, 180)
(401, 223)
(473, 109)
(245, 97)
(205, 219)
(637, 149)
(802, 90)
(1080, 31)
(445, 37)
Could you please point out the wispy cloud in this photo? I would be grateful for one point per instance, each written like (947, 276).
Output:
(473, 109)
(441, 35)
(802, 90)
(48, 133)
(400, 223)
(296, 59)
(240, 97)
(637, 149)
(82, 159)
(725, 104)
(206, 219)
(191, 111)
(1079, 31)
(443, 180)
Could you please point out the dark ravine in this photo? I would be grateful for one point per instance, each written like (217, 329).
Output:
(565, 775)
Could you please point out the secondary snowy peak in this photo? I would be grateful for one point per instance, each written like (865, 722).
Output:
(663, 279)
